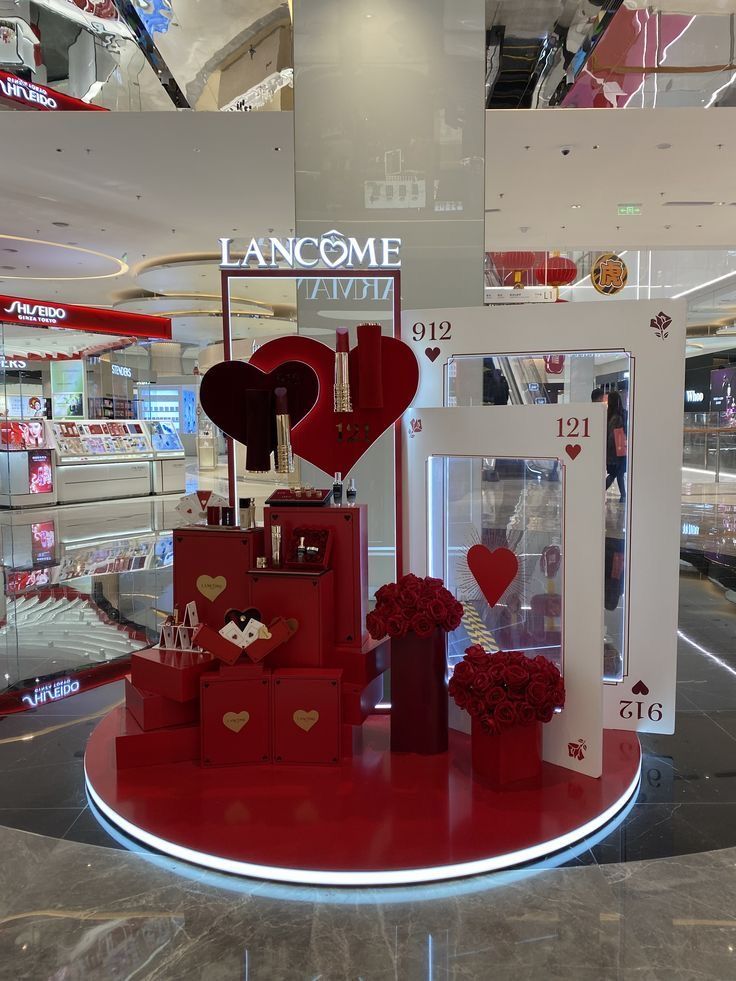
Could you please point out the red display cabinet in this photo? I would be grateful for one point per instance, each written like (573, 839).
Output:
(235, 709)
(349, 559)
(360, 667)
(358, 702)
(136, 747)
(306, 715)
(173, 674)
(308, 598)
(153, 711)
(210, 567)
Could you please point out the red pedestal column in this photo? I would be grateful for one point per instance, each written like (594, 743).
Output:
(507, 757)
(418, 694)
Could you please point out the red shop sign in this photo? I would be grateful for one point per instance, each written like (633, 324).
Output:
(31, 95)
(37, 313)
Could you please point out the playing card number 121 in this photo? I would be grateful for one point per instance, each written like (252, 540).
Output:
(571, 428)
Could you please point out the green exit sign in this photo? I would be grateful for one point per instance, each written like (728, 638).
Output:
(629, 209)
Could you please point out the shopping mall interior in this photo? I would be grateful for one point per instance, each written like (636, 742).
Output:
(258, 176)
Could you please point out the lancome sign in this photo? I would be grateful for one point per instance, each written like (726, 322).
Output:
(332, 250)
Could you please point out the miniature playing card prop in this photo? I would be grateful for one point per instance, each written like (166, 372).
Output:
(191, 618)
(193, 507)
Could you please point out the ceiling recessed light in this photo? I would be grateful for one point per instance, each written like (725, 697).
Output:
(664, 146)
(60, 224)
(575, 206)
(277, 148)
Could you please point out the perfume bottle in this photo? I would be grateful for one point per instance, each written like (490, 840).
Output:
(275, 546)
(352, 492)
(337, 488)
(301, 551)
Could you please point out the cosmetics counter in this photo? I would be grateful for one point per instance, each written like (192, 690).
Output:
(70, 461)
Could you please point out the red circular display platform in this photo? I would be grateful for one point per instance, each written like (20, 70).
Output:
(377, 819)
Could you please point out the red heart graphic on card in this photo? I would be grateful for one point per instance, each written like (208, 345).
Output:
(494, 571)
(336, 441)
(572, 451)
(222, 393)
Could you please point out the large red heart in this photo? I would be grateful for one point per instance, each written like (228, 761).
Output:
(494, 571)
(223, 387)
(336, 442)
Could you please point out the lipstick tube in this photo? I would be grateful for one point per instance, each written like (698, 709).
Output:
(284, 454)
(259, 422)
(343, 401)
(370, 373)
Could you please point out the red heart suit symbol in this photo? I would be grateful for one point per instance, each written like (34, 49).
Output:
(333, 441)
(432, 353)
(572, 451)
(222, 393)
(493, 571)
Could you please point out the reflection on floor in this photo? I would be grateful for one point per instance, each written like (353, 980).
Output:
(72, 910)
(92, 912)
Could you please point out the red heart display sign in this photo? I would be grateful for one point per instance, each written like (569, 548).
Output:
(494, 571)
(573, 451)
(222, 393)
(432, 353)
(336, 441)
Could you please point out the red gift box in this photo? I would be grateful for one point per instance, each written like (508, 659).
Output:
(217, 645)
(317, 548)
(173, 674)
(306, 597)
(153, 711)
(236, 716)
(210, 567)
(306, 715)
(358, 702)
(349, 560)
(281, 630)
(135, 747)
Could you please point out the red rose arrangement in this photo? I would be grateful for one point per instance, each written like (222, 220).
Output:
(506, 689)
(415, 604)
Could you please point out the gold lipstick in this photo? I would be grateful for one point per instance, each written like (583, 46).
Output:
(343, 402)
(284, 454)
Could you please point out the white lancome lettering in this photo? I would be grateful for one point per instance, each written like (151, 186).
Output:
(299, 257)
(226, 261)
(333, 249)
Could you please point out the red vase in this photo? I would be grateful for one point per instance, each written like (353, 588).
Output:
(419, 694)
(508, 757)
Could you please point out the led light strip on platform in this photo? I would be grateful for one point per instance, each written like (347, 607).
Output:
(317, 877)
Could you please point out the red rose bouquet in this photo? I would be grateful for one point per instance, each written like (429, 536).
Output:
(413, 604)
(506, 689)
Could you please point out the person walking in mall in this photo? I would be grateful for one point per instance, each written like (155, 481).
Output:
(616, 449)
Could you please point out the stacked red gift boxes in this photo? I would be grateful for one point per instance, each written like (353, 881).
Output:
(297, 696)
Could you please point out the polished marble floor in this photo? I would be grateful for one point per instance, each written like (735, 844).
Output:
(653, 898)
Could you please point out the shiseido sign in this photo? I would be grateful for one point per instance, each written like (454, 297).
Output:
(332, 250)
(30, 95)
(98, 320)
(35, 313)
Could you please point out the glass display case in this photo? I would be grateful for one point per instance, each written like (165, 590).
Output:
(552, 378)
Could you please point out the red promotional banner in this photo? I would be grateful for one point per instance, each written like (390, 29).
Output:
(37, 313)
(30, 95)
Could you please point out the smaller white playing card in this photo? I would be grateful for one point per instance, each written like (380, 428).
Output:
(233, 633)
(191, 619)
(168, 632)
(185, 638)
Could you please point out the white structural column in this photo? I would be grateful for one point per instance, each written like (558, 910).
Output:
(389, 142)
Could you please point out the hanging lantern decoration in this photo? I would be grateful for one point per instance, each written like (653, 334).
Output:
(514, 268)
(556, 271)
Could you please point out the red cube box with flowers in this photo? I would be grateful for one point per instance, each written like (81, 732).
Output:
(508, 696)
